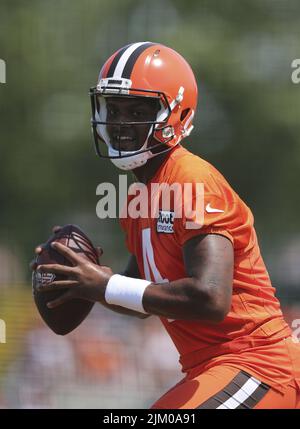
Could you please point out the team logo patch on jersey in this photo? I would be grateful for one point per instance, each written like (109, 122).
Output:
(165, 222)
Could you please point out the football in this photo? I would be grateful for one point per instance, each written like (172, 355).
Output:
(66, 317)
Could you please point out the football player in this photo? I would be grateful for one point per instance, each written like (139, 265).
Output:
(207, 283)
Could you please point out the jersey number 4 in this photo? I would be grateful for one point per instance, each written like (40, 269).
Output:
(149, 261)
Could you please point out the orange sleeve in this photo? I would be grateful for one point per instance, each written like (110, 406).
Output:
(210, 214)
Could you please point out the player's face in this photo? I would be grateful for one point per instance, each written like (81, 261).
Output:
(130, 109)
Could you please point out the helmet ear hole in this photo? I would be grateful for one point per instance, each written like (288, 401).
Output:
(184, 114)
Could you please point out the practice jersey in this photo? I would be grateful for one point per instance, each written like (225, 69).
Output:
(157, 241)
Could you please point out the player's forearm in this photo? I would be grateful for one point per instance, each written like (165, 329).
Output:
(123, 310)
(183, 299)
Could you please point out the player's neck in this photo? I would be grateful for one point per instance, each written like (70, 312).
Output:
(147, 171)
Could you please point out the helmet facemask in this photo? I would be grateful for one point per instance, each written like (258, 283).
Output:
(113, 131)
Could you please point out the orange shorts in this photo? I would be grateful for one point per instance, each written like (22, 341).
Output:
(226, 387)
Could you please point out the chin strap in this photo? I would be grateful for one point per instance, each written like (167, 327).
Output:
(129, 162)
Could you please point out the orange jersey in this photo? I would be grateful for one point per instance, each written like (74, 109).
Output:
(255, 318)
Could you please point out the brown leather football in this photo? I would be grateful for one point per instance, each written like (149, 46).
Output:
(66, 317)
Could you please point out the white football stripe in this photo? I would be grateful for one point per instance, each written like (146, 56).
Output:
(241, 395)
(148, 256)
(123, 60)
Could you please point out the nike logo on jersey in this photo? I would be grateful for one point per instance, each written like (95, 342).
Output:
(210, 209)
(165, 222)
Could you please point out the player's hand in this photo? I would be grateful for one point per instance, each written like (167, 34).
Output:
(84, 279)
(39, 248)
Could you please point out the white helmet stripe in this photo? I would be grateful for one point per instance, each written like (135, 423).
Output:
(123, 60)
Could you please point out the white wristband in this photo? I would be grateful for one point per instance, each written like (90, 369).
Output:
(126, 292)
